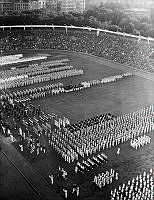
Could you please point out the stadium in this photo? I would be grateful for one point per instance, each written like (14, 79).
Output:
(76, 113)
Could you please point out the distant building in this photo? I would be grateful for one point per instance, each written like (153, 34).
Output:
(6, 6)
(72, 6)
(21, 5)
(49, 5)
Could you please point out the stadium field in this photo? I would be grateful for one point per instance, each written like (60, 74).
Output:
(123, 96)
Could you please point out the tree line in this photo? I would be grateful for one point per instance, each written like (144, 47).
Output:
(110, 16)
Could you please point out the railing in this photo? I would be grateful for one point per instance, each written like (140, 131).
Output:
(98, 30)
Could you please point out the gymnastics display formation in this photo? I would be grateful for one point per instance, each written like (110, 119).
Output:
(18, 58)
(36, 74)
(55, 89)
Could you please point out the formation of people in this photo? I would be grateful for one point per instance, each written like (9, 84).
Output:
(58, 88)
(34, 120)
(116, 48)
(27, 142)
(29, 69)
(108, 133)
(31, 144)
(90, 163)
(18, 58)
(85, 138)
(23, 80)
(106, 178)
(33, 92)
(50, 63)
(140, 187)
(71, 144)
(91, 121)
(140, 141)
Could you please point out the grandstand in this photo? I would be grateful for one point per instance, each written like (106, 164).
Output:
(124, 49)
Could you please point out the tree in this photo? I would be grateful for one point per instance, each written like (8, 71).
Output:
(123, 23)
(129, 28)
(150, 33)
(113, 28)
(93, 22)
(117, 16)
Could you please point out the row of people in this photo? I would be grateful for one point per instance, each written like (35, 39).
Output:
(33, 147)
(41, 125)
(69, 145)
(35, 68)
(48, 70)
(106, 134)
(51, 63)
(90, 163)
(32, 144)
(105, 178)
(140, 141)
(140, 187)
(101, 135)
(11, 60)
(11, 57)
(89, 140)
(27, 92)
(90, 121)
(23, 81)
(40, 92)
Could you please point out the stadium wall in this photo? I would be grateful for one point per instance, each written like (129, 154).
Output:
(98, 31)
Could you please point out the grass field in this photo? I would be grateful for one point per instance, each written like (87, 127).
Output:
(124, 96)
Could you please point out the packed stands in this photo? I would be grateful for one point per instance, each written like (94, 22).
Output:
(120, 49)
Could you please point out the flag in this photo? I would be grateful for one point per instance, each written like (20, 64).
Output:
(66, 29)
(139, 38)
(53, 27)
(98, 32)
(148, 40)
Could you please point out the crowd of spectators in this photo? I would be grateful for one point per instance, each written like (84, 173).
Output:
(121, 49)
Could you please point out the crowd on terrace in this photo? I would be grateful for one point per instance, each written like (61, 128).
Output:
(116, 48)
